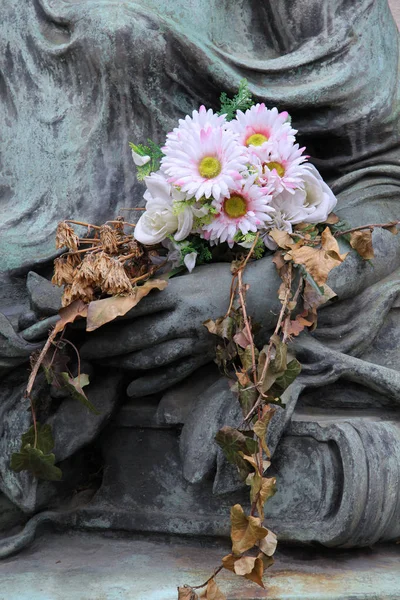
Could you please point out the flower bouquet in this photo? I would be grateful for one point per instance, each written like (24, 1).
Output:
(227, 177)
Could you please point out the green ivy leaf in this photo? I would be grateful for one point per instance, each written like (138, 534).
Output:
(247, 399)
(232, 441)
(292, 371)
(75, 385)
(45, 441)
(36, 462)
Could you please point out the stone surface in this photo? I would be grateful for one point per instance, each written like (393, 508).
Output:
(78, 566)
(78, 80)
(45, 298)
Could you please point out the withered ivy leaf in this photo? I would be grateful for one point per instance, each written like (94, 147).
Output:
(108, 309)
(361, 241)
(222, 327)
(186, 593)
(245, 531)
(36, 462)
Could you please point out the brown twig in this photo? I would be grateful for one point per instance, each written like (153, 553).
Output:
(121, 223)
(269, 351)
(88, 225)
(372, 226)
(33, 375)
(197, 587)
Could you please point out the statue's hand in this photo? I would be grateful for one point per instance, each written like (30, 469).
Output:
(165, 332)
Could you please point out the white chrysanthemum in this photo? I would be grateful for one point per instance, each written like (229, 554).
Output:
(201, 119)
(259, 126)
(245, 209)
(160, 218)
(280, 164)
(204, 163)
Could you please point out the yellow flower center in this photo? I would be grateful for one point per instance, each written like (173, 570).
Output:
(235, 206)
(257, 139)
(280, 169)
(209, 167)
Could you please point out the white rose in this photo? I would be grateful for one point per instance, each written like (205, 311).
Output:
(159, 219)
(310, 204)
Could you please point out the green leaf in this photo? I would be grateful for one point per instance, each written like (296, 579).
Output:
(280, 361)
(155, 153)
(36, 462)
(232, 441)
(292, 371)
(247, 399)
(241, 101)
(45, 441)
(74, 386)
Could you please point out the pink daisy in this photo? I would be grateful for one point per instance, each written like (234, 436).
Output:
(259, 125)
(204, 163)
(246, 208)
(280, 164)
(201, 119)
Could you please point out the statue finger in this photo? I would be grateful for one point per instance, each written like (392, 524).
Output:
(156, 301)
(125, 337)
(162, 379)
(159, 355)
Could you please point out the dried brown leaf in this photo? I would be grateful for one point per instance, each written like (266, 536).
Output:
(241, 339)
(361, 241)
(281, 238)
(187, 593)
(260, 427)
(319, 261)
(104, 311)
(212, 592)
(392, 228)
(250, 568)
(268, 544)
(245, 531)
(296, 326)
(77, 309)
(332, 219)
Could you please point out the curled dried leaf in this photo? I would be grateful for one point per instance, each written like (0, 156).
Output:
(187, 593)
(66, 237)
(319, 261)
(361, 241)
(268, 544)
(246, 531)
(249, 567)
(108, 309)
(212, 592)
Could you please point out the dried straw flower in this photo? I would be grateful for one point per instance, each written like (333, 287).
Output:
(66, 236)
(116, 281)
(64, 269)
(109, 239)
